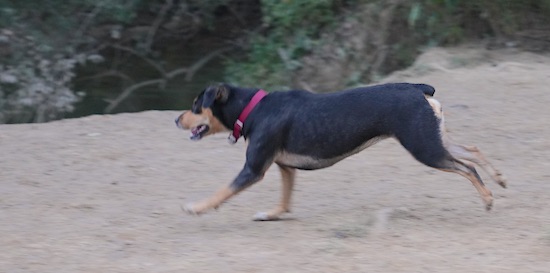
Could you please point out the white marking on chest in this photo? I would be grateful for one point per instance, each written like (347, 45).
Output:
(308, 162)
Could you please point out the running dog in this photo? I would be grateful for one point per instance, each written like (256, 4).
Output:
(307, 131)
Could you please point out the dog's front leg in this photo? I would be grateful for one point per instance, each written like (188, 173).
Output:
(246, 178)
(212, 202)
(258, 159)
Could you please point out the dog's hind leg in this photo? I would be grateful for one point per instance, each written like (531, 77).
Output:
(468, 153)
(474, 155)
(424, 137)
(287, 179)
(437, 157)
(468, 171)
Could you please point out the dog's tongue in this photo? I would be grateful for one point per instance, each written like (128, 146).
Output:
(195, 133)
(194, 136)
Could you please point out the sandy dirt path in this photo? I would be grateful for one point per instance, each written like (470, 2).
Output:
(103, 193)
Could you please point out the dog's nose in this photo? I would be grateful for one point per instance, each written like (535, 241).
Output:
(178, 119)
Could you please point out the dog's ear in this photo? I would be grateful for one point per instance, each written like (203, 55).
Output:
(219, 93)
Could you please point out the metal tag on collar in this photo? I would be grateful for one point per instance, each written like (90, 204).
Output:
(231, 139)
(239, 123)
(234, 136)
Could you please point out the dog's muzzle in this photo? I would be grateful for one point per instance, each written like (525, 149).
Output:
(177, 121)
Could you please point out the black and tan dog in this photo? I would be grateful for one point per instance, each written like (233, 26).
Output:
(303, 130)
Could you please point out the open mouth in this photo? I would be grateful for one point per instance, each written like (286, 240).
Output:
(198, 132)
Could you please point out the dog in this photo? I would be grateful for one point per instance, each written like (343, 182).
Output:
(307, 131)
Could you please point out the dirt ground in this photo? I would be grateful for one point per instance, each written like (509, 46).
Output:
(103, 193)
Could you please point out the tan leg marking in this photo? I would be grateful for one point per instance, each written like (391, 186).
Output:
(212, 202)
(471, 154)
(468, 153)
(485, 193)
(474, 155)
(287, 175)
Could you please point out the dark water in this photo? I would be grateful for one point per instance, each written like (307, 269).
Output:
(178, 94)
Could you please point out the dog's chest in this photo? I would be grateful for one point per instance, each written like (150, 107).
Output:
(303, 162)
(307, 162)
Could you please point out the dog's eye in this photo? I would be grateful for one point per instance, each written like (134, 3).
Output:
(196, 109)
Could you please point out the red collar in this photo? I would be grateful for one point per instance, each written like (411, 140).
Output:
(233, 137)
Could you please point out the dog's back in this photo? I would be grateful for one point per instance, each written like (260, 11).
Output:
(426, 89)
(330, 127)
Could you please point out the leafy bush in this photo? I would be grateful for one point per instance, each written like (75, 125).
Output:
(451, 21)
(292, 28)
(49, 39)
(36, 88)
(41, 44)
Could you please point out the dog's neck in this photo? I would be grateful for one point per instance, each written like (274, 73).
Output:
(238, 99)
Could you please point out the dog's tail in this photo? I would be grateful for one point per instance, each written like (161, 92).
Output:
(427, 89)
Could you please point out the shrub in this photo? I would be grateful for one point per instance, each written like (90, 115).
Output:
(291, 29)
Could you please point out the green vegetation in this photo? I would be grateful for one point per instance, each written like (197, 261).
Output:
(291, 29)
(49, 47)
(294, 28)
(452, 21)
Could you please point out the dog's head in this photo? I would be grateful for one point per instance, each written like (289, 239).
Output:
(201, 119)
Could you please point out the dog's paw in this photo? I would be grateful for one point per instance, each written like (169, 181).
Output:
(501, 180)
(489, 204)
(264, 216)
(189, 209)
